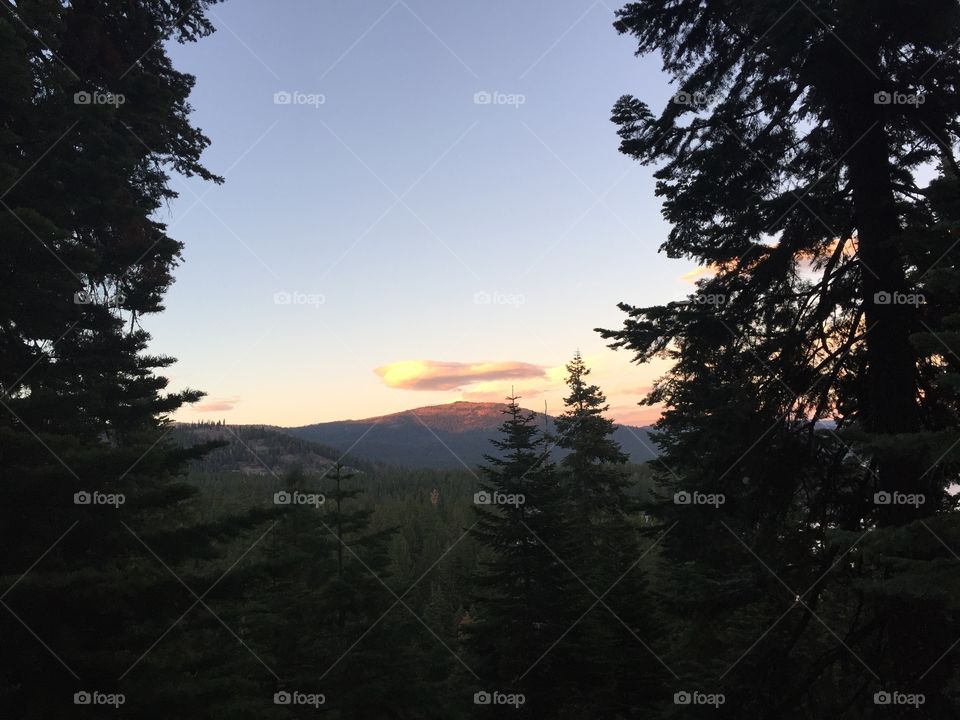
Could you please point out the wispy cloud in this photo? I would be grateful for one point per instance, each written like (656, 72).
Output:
(439, 375)
(698, 273)
(223, 405)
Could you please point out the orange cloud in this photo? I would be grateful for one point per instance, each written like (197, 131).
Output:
(224, 405)
(438, 375)
(698, 273)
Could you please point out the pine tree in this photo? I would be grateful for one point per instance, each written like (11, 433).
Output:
(594, 464)
(813, 375)
(93, 117)
(521, 611)
(616, 668)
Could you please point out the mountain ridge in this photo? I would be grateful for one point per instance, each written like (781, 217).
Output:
(449, 435)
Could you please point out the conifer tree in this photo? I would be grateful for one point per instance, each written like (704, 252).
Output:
(813, 372)
(617, 669)
(93, 117)
(593, 467)
(522, 606)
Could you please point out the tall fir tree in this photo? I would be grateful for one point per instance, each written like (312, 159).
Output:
(93, 117)
(813, 373)
(521, 612)
(617, 668)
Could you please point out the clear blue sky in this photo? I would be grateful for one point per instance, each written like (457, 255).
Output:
(393, 211)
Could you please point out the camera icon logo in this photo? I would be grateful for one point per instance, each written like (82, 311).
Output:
(482, 697)
(82, 498)
(882, 98)
(482, 498)
(882, 298)
(882, 697)
(682, 698)
(282, 498)
(282, 98)
(682, 498)
(882, 498)
(82, 98)
(482, 97)
(82, 698)
(282, 698)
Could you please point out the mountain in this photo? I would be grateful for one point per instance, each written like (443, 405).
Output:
(438, 436)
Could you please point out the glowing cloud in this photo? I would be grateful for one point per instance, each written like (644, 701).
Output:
(225, 405)
(437, 375)
(697, 273)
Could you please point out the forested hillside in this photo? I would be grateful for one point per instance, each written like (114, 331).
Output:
(258, 450)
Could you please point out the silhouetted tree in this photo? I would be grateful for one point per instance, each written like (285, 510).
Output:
(522, 610)
(616, 669)
(93, 117)
(808, 375)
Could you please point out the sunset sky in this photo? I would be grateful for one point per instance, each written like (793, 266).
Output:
(439, 212)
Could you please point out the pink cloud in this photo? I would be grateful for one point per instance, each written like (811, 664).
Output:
(225, 405)
(439, 375)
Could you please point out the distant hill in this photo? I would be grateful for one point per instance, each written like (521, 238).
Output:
(438, 436)
(259, 450)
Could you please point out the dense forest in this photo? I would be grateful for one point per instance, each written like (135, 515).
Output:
(792, 552)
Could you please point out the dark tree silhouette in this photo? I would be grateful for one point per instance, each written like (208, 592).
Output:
(616, 668)
(522, 608)
(93, 117)
(790, 164)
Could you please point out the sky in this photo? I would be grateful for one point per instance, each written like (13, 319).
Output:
(424, 202)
